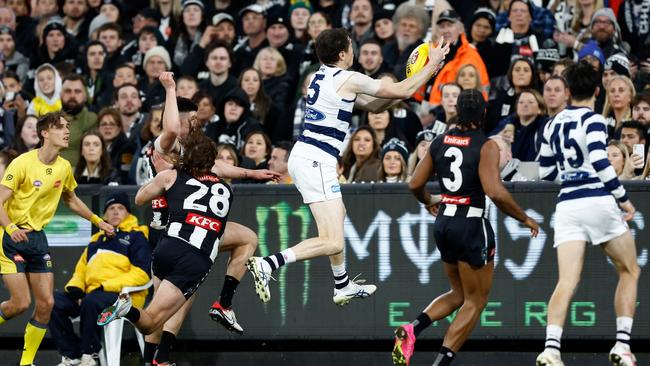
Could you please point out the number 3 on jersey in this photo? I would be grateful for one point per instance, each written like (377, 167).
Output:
(456, 181)
(219, 200)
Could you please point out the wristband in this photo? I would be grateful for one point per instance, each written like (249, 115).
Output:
(12, 228)
(96, 219)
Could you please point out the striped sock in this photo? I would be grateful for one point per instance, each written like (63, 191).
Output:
(444, 358)
(275, 261)
(341, 279)
(624, 329)
(553, 337)
(34, 333)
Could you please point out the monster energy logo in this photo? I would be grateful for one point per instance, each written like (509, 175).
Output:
(283, 213)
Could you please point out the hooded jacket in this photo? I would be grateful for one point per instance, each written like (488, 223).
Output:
(124, 260)
(234, 132)
(43, 104)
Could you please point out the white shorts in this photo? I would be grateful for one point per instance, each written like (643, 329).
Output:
(591, 219)
(317, 182)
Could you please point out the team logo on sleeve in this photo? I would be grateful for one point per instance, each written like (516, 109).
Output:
(48, 171)
(10, 177)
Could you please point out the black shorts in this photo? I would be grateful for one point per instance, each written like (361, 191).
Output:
(155, 235)
(32, 256)
(185, 266)
(465, 239)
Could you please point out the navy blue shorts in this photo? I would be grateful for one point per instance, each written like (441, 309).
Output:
(32, 256)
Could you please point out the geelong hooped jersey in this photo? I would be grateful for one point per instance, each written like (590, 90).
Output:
(198, 210)
(574, 152)
(456, 155)
(327, 116)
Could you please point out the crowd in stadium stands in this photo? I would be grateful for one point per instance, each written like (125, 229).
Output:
(247, 65)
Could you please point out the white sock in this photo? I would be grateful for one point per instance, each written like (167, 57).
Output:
(341, 279)
(553, 337)
(624, 329)
(289, 255)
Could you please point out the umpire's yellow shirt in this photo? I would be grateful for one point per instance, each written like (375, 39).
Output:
(36, 189)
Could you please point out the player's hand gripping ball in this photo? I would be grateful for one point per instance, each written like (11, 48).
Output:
(418, 58)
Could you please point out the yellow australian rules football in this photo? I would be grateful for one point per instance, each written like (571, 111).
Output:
(418, 58)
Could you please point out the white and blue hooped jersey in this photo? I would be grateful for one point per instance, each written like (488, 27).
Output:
(574, 152)
(327, 117)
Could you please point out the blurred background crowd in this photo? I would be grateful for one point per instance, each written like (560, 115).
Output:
(247, 65)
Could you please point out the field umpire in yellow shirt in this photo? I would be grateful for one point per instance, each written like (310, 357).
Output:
(29, 195)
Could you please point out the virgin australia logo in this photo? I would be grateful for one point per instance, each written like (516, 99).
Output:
(313, 115)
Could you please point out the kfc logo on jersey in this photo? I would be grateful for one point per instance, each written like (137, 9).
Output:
(457, 140)
(455, 200)
(203, 222)
(158, 203)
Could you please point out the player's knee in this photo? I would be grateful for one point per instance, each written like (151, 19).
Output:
(335, 246)
(20, 305)
(45, 305)
(633, 270)
(457, 298)
(567, 285)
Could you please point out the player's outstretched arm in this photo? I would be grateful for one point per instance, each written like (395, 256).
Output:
(171, 119)
(386, 89)
(224, 170)
(156, 187)
(418, 184)
(78, 206)
(488, 170)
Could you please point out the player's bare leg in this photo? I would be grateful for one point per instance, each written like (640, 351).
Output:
(329, 216)
(440, 307)
(622, 251)
(570, 260)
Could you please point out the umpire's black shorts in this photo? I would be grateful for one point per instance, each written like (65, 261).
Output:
(465, 239)
(178, 262)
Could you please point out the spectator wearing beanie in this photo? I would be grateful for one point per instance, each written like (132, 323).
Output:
(14, 60)
(616, 64)
(156, 60)
(235, 121)
(383, 25)
(299, 13)
(605, 31)
(394, 156)
(593, 54)
(58, 45)
(190, 30)
(479, 32)
(545, 59)
(278, 34)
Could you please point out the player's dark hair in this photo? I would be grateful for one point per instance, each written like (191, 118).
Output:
(330, 43)
(471, 108)
(199, 153)
(582, 79)
(636, 125)
(52, 119)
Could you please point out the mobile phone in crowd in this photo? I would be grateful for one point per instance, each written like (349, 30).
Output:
(639, 149)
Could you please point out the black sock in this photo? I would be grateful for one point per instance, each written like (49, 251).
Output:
(421, 323)
(228, 291)
(166, 344)
(149, 351)
(445, 356)
(275, 261)
(133, 315)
